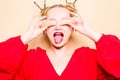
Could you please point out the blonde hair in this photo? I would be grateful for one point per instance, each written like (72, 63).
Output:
(69, 6)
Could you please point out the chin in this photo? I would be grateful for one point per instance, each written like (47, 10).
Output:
(60, 45)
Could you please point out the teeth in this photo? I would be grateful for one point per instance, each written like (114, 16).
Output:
(58, 34)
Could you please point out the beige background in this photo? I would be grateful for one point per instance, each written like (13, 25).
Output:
(102, 15)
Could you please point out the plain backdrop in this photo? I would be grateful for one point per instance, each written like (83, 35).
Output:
(102, 15)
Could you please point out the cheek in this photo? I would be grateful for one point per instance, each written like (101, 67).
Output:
(68, 32)
(68, 29)
(49, 32)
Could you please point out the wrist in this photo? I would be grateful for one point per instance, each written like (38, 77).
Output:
(25, 38)
(95, 36)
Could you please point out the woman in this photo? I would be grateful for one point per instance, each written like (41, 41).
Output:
(59, 62)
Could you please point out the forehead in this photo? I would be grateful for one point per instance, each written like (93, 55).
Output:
(58, 12)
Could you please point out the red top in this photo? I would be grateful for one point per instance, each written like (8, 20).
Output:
(16, 63)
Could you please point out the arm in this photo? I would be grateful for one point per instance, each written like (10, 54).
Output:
(108, 54)
(108, 46)
(12, 53)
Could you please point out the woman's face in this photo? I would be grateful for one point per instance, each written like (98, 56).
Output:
(58, 31)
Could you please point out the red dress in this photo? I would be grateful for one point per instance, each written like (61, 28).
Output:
(16, 63)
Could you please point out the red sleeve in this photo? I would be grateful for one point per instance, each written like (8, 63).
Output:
(24, 70)
(108, 54)
(29, 70)
(11, 55)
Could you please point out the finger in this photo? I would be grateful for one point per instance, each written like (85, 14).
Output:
(40, 30)
(41, 19)
(69, 22)
(75, 15)
(76, 22)
(72, 23)
(47, 23)
(81, 18)
(66, 21)
(50, 23)
(41, 24)
(36, 21)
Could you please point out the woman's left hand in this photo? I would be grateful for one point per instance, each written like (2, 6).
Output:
(80, 25)
(77, 23)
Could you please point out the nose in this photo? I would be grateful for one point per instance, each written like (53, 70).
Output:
(57, 27)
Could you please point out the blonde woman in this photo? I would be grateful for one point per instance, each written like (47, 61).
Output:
(59, 62)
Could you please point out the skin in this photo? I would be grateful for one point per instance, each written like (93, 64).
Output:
(58, 17)
(56, 53)
(55, 21)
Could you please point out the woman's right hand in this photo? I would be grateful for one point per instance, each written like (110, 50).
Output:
(36, 27)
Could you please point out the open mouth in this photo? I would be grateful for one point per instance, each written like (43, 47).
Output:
(58, 37)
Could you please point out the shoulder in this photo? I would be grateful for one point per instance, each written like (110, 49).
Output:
(36, 51)
(85, 52)
(34, 54)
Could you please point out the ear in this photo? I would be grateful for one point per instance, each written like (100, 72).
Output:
(44, 32)
(73, 30)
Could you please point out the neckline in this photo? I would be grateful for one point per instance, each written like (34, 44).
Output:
(66, 67)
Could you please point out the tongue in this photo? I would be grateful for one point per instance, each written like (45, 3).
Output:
(58, 39)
